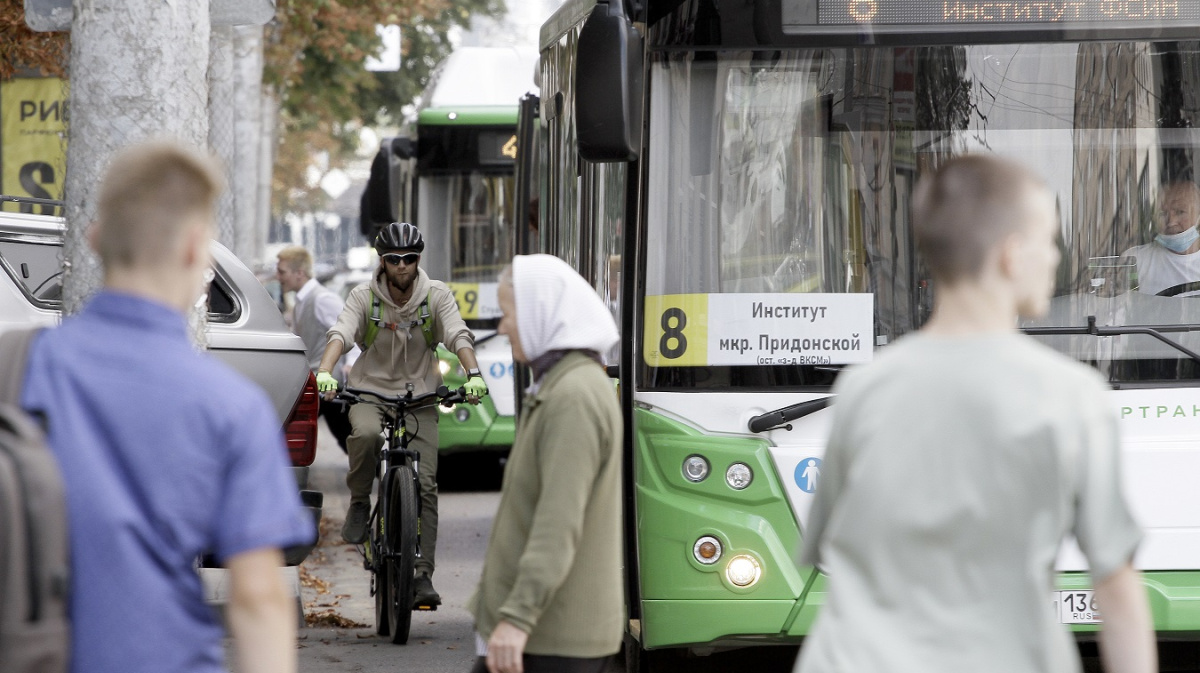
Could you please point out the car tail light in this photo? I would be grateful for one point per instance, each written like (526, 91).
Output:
(301, 426)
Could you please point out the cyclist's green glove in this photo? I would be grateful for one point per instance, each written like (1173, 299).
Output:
(475, 386)
(326, 383)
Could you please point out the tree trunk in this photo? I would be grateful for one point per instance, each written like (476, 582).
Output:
(248, 69)
(266, 168)
(221, 123)
(137, 73)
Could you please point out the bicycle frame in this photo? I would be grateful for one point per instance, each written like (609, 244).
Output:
(393, 543)
(395, 429)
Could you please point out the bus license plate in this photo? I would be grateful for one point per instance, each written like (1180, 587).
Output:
(1077, 607)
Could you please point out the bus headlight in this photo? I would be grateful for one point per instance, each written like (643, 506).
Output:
(739, 476)
(743, 571)
(462, 413)
(707, 550)
(443, 367)
(695, 469)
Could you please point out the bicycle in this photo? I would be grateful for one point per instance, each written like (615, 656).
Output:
(393, 544)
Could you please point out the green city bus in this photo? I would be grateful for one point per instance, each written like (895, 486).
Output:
(734, 177)
(453, 177)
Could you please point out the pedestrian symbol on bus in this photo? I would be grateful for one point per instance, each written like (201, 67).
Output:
(807, 474)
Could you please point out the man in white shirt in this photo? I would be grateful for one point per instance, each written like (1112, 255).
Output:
(317, 309)
(1169, 263)
(938, 538)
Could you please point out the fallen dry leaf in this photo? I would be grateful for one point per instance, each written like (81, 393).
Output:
(311, 581)
(330, 532)
(331, 619)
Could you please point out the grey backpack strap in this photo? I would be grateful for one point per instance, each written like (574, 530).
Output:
(14, 355)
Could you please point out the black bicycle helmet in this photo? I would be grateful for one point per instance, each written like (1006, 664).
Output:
(399, 236)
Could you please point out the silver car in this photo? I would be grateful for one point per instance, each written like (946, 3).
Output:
(245, 330)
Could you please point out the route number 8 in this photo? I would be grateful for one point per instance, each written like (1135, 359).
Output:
(673, 333)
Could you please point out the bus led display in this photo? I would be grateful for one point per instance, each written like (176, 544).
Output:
(988, 12)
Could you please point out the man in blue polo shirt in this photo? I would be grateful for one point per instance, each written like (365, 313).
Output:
(165, 452)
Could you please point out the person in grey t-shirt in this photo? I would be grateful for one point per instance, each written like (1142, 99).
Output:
(939, 539)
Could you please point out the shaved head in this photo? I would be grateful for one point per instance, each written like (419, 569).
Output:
(969, 205)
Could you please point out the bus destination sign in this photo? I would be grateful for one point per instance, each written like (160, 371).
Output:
(833, 13)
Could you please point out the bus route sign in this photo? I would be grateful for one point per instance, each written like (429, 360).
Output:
(476, 301)
(730, 329)
(800, 13)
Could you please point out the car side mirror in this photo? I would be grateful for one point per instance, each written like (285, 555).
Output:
(608, 86)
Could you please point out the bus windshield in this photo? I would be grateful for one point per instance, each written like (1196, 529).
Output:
(779, 243)
(478, 209)
(467, 219)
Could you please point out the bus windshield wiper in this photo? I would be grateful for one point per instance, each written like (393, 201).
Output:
(780, 417)
(1093, 329)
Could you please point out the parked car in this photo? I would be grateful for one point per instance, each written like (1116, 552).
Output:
(245, 330)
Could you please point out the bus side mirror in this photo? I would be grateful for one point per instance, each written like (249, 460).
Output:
(375, 207)
(382, 200)
(403, 148)
(608, 86)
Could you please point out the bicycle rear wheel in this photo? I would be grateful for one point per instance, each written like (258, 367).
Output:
(402, 529)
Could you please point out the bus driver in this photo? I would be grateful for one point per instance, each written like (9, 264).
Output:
(1172, 259)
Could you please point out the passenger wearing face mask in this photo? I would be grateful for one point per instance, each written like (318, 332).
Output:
(1172, 259)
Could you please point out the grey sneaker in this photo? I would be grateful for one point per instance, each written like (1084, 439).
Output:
(424, 594)
(354, 530)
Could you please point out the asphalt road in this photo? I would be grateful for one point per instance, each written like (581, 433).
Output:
(335, 589)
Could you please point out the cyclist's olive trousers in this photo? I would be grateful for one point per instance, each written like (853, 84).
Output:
(364, 444)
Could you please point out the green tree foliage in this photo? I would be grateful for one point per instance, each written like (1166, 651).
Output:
(426, 43)
(22, 49)
(314, 62)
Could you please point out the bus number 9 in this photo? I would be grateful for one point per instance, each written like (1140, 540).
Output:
(471, 297)
(673, 332)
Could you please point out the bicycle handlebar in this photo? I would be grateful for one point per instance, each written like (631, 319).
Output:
(405, 402)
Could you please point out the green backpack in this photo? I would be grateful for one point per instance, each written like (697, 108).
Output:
(374, 323)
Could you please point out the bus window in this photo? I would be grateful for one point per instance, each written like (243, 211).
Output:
(795, 174)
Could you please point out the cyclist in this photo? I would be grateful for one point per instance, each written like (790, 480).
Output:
(398, 318)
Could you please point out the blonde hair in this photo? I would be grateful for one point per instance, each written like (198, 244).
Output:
(149, 195)
(297, 258)
(966, 207)
(1173, 186)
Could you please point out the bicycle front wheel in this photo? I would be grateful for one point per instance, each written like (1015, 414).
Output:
(376, 563)
(402, 531)
(383, 596)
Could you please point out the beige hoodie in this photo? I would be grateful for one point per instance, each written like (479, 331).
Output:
(401, 356)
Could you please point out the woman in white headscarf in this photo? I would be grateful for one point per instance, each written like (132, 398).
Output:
(549, 598)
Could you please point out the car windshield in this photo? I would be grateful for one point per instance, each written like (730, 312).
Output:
(780, 183)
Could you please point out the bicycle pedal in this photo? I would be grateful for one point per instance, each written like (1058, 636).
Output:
(425, 607)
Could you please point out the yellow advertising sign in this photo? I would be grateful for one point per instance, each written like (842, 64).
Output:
(676, 330)
(33, 135)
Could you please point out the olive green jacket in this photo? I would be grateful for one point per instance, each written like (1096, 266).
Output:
(553, 566)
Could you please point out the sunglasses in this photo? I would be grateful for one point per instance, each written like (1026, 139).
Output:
(394, 258)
